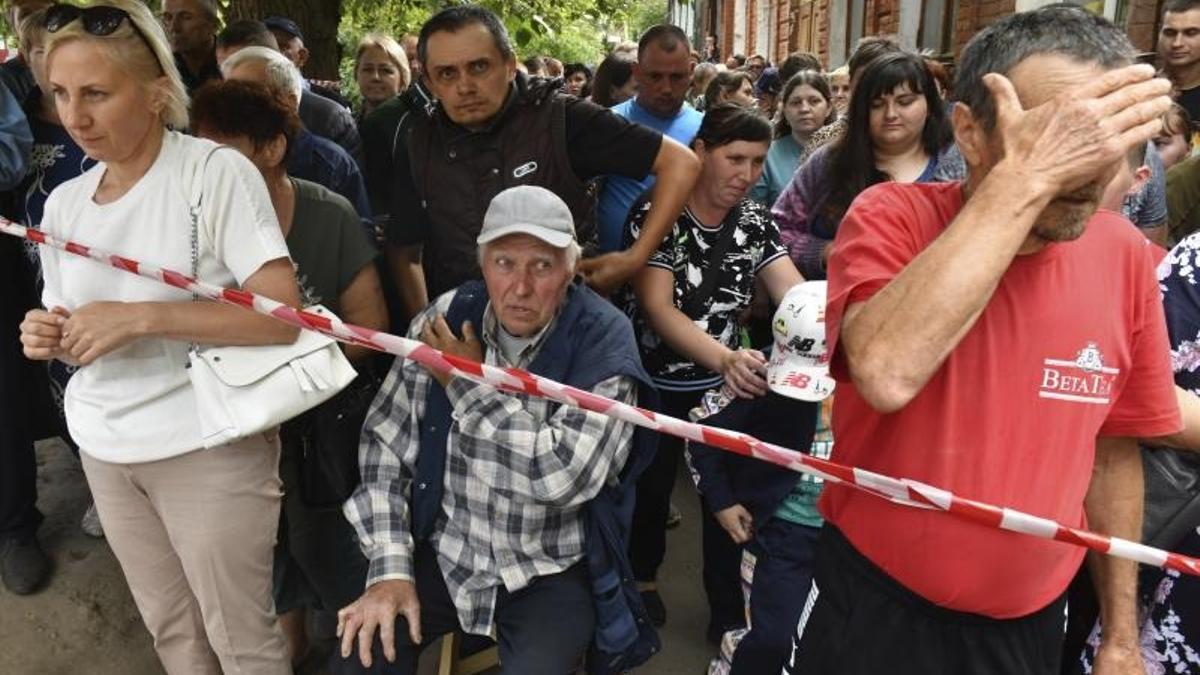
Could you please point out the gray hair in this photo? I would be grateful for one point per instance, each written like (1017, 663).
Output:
(572, 253)
(283, 76)
(1063, 29)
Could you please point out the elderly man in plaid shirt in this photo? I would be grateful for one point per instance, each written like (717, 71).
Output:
(472, 505)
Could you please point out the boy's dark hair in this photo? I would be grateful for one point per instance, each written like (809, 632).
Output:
(870, 48)
(797, 62)
(248, 109)
(247, 33)
(726, 123)
(1178, 6)
(454, 18)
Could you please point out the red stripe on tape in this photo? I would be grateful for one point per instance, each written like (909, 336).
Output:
(176, 279)
(125, 264)
(980, 513)
(238, 297)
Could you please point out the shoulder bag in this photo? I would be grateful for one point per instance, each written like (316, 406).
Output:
(244, 390)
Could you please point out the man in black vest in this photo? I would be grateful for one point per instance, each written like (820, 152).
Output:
(493, 129)
(478, 508)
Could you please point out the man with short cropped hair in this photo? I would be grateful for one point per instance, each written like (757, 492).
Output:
(291, 44)
(191, 27)
(1005, 341)
(492, 128)
(663, 73)
(1179, 51)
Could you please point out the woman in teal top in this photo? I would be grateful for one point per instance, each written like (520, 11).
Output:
(807, 106)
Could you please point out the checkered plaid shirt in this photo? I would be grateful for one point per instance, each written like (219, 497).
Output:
(519, 470)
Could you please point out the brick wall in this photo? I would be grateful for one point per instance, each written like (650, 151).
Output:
(976, 14)
(1142, 23)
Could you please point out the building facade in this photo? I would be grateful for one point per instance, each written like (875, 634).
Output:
(830, 28)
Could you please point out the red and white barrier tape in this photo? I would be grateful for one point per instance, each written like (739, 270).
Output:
(899, 490)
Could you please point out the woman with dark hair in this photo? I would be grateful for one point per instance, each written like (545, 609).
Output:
(807, 106)
(577, 80)
(614, 82)
(685, 305)
(730, 86)
(318, 564)
(896, 128)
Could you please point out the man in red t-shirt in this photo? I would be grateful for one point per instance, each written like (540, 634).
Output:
(1003, 340)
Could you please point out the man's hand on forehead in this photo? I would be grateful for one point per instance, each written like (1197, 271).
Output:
(1070, 140)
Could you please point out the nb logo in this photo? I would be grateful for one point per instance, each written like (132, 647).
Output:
(525, 169)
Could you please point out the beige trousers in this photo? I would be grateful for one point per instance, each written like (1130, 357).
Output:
(194, 535)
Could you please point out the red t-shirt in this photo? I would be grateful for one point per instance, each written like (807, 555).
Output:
(1071, 346)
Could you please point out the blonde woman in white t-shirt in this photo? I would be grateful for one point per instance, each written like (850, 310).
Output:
(193, 529)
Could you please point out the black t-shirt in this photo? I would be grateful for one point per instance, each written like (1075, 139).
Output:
(1190, 100)
(327, 245)
(599, 143)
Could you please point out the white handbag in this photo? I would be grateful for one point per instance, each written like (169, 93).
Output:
(242, 390)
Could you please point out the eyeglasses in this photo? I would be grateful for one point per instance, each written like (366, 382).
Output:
(99, 21)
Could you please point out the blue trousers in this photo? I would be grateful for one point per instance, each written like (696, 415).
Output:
(783, 570)
(542, 629)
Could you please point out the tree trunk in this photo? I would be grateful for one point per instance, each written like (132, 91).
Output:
(317, 19)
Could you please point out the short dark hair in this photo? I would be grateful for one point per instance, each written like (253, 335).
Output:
(1178, 6)
(799, 61)
(870, 48)
(1063, 29)
(726, 123)
(246, 109)
(813, 79)
(534, 64)
(454, 18)
(664, 35)
(247, 33)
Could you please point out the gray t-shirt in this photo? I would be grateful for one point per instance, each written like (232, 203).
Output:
(327, 244)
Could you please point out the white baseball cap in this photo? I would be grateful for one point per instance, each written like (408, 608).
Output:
(799, 365)
(532, 210)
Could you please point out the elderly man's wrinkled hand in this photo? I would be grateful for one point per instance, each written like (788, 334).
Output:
(378, 608)
(437, 334)
(1075, 138)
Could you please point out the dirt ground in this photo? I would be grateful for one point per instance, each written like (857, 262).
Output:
(84, 621)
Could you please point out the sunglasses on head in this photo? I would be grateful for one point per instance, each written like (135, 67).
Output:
(99, 21)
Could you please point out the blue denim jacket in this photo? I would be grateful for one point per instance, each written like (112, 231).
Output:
(15, 141)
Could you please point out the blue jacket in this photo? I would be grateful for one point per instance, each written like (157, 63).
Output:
(725, 479)
(591, 342)
(15, 140)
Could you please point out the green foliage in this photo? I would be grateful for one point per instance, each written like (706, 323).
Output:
(647, 14)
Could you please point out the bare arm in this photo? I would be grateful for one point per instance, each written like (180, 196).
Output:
(1114, 507)
(675, 170)
(362, 304)
(1189, 437)
(743, 369)
(100, 328)
(409, 276)
(895, 341)
(779, 276)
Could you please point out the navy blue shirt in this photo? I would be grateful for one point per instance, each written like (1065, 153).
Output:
(326, 163)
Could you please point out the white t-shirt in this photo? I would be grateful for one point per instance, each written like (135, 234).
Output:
(136, 404)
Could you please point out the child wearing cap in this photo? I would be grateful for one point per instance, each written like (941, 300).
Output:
(770, 509)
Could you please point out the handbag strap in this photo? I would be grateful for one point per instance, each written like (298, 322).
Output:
(195, 200)
(708, 282)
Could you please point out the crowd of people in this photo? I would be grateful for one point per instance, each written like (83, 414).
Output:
(992, 262)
